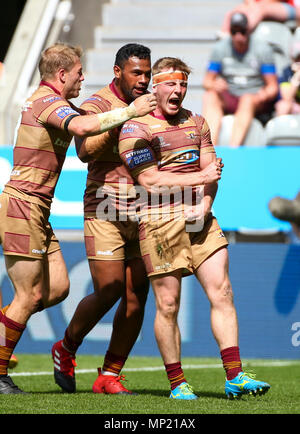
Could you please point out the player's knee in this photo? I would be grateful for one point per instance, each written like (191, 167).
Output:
(168, 306)
(36, 302)
(59, 291)
(222, 293)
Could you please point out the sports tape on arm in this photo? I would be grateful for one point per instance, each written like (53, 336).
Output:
(116, 117)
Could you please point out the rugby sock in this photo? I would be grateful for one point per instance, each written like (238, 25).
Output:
(69, 344)
(231, 362)
(10, 333)
(113, 364)
(175, 374)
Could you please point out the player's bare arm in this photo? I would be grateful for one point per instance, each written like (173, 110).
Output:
(154, 178)
(93, 147)
(210, 190)
(87, 125)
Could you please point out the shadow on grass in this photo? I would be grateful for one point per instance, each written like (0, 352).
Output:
(136, 393)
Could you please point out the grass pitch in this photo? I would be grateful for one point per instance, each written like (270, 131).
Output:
(34, 375)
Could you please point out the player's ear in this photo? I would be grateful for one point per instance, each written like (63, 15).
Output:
(117, 71)
(62, 75)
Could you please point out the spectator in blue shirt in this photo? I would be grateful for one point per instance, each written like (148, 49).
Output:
(240, 79)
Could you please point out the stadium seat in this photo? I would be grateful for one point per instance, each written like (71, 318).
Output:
(255, 137)
(283, 131)
(279, 37)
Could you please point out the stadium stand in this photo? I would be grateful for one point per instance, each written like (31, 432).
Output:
(279, 37)
(283, 131)
(255, 137)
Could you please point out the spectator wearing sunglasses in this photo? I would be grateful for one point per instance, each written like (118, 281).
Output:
(240, 79)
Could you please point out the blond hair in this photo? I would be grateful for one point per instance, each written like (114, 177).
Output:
(168, 63)
(58, 56)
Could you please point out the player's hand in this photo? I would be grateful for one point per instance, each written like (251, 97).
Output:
(145, 104)
(213, 171)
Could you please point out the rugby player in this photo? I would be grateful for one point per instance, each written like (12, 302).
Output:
(172, 147)
(112, 244)
(32, 253)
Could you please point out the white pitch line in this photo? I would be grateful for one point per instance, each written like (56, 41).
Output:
(278, 363)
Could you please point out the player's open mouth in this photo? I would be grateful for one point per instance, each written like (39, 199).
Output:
(174, 102)
(140, 90)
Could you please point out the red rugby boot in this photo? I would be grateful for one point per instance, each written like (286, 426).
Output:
(110, 384)
(64, 364)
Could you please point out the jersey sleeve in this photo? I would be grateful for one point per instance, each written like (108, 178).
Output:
(206, 145)
(96, 104)
(135, 148)
(54, 111)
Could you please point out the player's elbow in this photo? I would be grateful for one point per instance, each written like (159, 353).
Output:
(148, 182)
(81, 150)
(152, 181)
(79, 127)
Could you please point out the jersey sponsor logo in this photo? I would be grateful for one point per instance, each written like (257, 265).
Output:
(138, 157)
(191, 134)
(219, 233)
(62, 143)
(65, 111)
(187, 157)
(129, 128)
(51, 98)
(92, 98)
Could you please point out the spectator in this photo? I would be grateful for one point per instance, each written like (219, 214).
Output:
(260, 10)
(289, 102)
(240, 79)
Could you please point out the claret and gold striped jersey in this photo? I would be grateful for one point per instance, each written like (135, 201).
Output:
(172, 145)
(107, 174)
(41, 145)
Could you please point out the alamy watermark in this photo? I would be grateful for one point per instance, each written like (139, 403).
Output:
(134, 202)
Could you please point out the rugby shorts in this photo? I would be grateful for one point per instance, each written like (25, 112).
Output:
(166, 246)
(111, 240)
(25, 229)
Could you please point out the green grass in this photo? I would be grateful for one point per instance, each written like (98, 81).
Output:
(45, 396)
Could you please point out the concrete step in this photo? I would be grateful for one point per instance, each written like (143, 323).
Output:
(149, 13)
(102, 61)
(105, 36)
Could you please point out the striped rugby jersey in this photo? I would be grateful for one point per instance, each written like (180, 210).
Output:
(173, 145)
(106, 173)
(41, 145)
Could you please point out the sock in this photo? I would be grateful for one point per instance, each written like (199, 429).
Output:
(69, 344)
(10, 333)
(231, 362)
(175, 374)
(113, 364)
